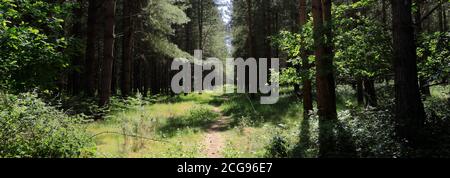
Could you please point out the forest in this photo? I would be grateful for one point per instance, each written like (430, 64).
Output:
(93, 79)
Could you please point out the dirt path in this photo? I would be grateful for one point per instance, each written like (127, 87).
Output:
(214, 142)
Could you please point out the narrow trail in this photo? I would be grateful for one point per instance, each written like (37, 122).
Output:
(214, 141)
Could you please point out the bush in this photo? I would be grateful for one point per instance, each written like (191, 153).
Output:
(198, 118)
(31, 129)
(278, 147)
(359, 133)
(437, 132)
(201, 115)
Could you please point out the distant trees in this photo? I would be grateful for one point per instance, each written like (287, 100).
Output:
(51, 45)
(359, 41)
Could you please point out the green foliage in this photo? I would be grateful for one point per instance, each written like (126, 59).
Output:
(278, 148)
(358, 133)
(293, 44)
(32, 129)
(362, 44)
(197, 117)
(31, 43)
(434, 56)
(161, 17)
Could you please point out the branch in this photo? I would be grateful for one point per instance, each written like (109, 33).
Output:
(430, 12)
(128, 135)
(435, 84)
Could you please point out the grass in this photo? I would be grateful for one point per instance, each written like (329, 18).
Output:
(151, 121)
(179, 124)
(254, 125)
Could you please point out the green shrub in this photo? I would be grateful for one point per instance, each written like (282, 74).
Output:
(201, 115)
(358, 133)
(29, 128)
(278, 147)
(198, 118)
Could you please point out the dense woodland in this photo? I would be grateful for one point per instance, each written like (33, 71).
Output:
(92, 78)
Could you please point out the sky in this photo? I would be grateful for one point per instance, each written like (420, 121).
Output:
(225, 10)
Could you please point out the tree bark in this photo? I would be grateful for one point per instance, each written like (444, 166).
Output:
(91, 58)
(370, 93)
(127, 55)
(360, 92)
(108, 51)
(307, 84)
(200, 24)
(409, 107)
(188, 34)
(326, 94)
(75, 78)
(441, 16)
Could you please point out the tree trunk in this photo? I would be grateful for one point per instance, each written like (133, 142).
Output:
(127, 55)
(250, 43)
(444, 17)
(75, 79)
(370, 93)
(91, 59)
(108, 52)
(441, 17)
(251, 39)
(307, 85)
(200, 24)
(383, 12)
(326, 94)
(409, 107)
(188, 33)
(360, 92)
(146, 75)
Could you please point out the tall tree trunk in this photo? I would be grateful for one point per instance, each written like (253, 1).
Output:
(307, 85)
(251, 37)
(137, 76)
(441, 16)
(409, 107)
(91, 58)
(383, 12)
(115, 71)
(127, 55)
(250, 42)
(444, 17)
(108, 51)
(200, 24)
(146, 75)
(188, 33)
(75, 78)
(326, 94)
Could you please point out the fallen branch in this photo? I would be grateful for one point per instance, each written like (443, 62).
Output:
(127, 135)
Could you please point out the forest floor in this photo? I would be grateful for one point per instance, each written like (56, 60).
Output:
(208, 125)
(214, 141)
(170, 129)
